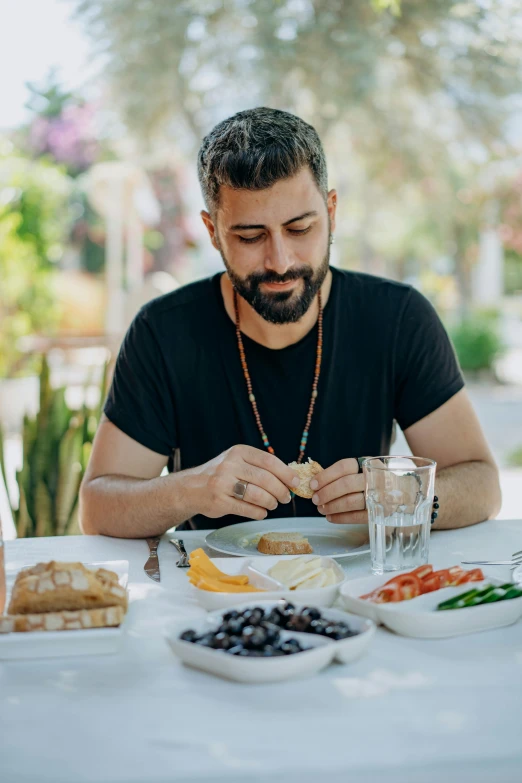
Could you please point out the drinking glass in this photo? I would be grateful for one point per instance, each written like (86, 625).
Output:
(399, 499)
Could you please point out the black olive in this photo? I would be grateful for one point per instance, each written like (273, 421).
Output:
(253, 616)
(272, 632)
(236, 649)
(299, 623)
(333, 632)
(258, 638)
(317, 626)
(221, 641)
(253, 636)
(232, 615)
(277, 617)
(290, 647)
(189, 636)
(311, 612)
(234, 626)
(205, 640)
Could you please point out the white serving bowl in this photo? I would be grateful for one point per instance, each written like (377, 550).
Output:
(319, 596)
(418, 617)
(259, 670)
(256, 670)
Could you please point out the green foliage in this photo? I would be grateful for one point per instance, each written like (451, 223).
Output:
(398, 74)
(49, 99)
(33, 224)
(512, 272)
(477, 342)
(514, 459)
(56, 448)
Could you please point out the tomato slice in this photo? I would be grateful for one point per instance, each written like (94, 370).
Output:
(475, 575)
(455, 573)
(423, 571)
(444, 576)
(409, 586)
(387, 594)
(430, 583)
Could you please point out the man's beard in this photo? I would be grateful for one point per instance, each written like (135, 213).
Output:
(280, 307)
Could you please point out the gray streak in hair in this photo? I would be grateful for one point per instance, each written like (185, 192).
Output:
(256, 148)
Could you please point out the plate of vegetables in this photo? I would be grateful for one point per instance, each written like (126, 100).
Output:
(466, 606)
(365, 596)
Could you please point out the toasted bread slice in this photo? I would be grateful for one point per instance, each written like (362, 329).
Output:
(56, 587)
(306, 471)
(284, 544)
(110, 616)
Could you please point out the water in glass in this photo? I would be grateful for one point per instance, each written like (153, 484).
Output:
(399, 497)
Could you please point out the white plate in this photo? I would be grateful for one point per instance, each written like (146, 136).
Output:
(56, 644)
(418, 617)
(263, 670)
(320, 596)
(326, 539)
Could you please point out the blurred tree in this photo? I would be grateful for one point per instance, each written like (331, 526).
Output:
(33, 224)
(410, 98)
(62, 126)
(440, 69)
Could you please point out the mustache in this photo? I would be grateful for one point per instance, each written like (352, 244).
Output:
(273, 277)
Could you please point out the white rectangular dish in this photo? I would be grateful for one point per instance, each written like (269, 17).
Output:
(418, 617)
(257, 670)
(321, 596)
(262, 670)
(57, 644)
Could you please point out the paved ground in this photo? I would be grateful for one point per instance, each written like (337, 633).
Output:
(499, 409)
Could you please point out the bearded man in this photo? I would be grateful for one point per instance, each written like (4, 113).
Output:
(280, 357)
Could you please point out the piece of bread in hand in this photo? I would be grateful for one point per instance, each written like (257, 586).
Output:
(109, 616)
(306, 471)
(284, 544)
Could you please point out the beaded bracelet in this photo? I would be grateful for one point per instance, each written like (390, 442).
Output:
(436, 506)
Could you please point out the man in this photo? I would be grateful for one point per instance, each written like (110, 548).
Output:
(279, 357)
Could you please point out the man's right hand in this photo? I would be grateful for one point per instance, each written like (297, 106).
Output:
(267, 477)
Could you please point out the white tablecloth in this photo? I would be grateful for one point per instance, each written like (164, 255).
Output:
(410, 710)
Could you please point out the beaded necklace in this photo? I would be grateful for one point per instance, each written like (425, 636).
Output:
(317, 372)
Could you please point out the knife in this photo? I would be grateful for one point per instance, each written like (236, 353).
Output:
(151, 567)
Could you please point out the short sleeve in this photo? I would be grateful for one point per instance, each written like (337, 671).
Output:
(139, 401)
(427, 373)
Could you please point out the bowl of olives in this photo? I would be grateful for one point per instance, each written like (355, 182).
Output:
(273, 642)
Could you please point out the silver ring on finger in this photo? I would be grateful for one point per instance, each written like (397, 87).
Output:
(240, 488)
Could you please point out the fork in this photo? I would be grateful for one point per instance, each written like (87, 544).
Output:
(178, 543)
(516, 559)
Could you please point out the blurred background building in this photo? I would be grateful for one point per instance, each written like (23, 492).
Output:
(104, 104)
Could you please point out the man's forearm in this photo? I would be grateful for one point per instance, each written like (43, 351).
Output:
(135, 508)
(468, 493)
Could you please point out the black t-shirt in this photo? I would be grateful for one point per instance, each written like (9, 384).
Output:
(178, 381)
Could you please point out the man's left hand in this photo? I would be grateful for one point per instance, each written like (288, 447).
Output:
(339, 493)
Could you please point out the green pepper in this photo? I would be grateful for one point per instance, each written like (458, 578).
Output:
(457, 601)
(489, 594)
(512, 592)
(487, 597)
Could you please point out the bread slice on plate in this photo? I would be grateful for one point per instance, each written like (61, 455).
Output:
(56, 587)
(109, 616)
(306, 471)
(284, 544)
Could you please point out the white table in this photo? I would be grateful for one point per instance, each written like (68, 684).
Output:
(410, 710)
